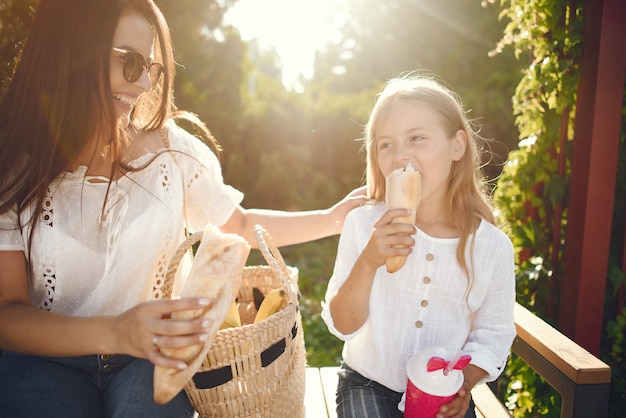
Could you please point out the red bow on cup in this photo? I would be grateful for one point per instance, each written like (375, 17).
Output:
(437, 363)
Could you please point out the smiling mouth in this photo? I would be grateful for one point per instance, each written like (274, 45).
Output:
(125, 100)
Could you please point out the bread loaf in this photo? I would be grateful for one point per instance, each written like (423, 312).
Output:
(403, 189)
(215, 275)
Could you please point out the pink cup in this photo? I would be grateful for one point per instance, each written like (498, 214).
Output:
(427, 391)
(420, 404)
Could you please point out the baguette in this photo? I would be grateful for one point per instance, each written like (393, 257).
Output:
(215, 274)
(403, 189)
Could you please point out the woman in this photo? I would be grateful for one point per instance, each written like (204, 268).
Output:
(97, 188)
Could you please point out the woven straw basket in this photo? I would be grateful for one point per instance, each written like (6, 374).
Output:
(256, 370)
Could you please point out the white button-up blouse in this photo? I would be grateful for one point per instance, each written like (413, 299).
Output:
(425, 303)
(87, 262)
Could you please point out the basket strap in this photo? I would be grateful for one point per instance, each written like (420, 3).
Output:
(170, 274)
(212, 378)
(166, 144)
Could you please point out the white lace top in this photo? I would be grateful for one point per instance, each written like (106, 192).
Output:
(85, 263)
(424, 305)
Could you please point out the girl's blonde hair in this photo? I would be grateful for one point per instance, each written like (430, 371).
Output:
(467, 197)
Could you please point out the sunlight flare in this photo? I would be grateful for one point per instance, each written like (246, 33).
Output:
(295, 29)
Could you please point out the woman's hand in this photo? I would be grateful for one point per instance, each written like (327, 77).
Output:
(354, 199)
(143, 330)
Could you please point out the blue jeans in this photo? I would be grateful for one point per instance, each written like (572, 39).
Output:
(106, 386)
(359, 397)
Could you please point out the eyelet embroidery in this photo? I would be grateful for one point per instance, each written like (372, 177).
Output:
(164, 172)
(46, 222)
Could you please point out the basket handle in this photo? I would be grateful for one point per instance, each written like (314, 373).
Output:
(170, 274)
(266, 245)
(275, 260)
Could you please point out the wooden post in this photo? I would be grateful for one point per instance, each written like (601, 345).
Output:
(594, 168)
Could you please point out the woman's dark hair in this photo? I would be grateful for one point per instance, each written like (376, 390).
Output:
(60, 96)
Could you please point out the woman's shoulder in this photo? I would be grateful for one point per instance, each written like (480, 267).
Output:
(179, 136)
(180, 139)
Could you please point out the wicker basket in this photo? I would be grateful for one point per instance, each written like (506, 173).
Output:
(256, 370)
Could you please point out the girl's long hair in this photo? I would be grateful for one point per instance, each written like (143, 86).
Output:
(467, 197)
(60, 97)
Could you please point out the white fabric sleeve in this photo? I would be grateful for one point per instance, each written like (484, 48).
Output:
(347, 254)
(207, 198)
(490, 340)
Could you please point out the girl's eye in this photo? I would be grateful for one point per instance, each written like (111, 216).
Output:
(384, 145)
(416, 138)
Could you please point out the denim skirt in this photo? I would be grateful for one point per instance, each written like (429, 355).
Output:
(95, 386)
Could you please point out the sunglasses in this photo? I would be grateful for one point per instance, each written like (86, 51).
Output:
(135, 63)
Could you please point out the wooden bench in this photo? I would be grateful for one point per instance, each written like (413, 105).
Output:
(321, 385)
(315, 403)
(582, 379)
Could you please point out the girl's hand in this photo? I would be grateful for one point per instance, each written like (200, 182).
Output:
(386, 236)
(457, 407)
(143, 330)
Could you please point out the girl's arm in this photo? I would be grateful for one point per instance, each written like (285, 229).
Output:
(287, 228)
(27, 329)
(350, 305)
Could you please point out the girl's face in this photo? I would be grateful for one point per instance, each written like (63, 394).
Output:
(132, 35)
(412, 132)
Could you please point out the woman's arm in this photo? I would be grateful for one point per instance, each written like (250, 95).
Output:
(287, 228)
(27, 329)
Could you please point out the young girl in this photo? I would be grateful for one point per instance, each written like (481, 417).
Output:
(457, 287)
(97, 187)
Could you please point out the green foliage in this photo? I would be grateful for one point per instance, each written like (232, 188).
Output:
(210, 57)
(450, 38)
(526, 393)
(616, 333)
(315, 261)
(614, 342)
(533, 189)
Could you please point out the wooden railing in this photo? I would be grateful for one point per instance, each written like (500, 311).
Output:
(582, 379)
